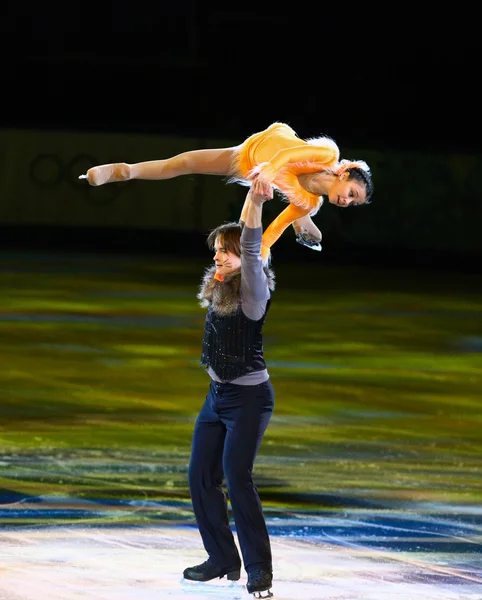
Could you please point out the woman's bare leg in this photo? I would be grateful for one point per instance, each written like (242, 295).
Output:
(305, 224)
(194, 162)
(307, 233)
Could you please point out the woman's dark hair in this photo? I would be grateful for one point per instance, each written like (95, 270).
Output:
(230, 235)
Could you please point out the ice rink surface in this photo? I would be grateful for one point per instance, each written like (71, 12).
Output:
(367, 556)
(370, 472)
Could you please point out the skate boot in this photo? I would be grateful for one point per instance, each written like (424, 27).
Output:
(208, 570)
(259, 583)
(111, 173)
(306, 239)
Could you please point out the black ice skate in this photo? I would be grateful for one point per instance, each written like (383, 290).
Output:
(208, 570)
(305, 239)
(259, 583)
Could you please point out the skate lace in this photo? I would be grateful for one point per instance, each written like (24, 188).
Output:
(206, 563)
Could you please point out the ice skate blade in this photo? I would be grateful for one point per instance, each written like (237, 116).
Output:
(211, 585)
(316, 247)
(312, 245)
(265, 594)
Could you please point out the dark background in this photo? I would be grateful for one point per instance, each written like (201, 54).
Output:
(394, 76)
(388, 78)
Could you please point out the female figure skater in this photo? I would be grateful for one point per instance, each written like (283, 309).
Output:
(302, 171)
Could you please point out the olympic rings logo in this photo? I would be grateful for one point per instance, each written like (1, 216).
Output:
(49, 171)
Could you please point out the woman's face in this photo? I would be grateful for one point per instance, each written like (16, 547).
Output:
(345, 193)
(226, 262)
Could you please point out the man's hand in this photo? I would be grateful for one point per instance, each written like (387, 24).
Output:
(254, 205)
(261, 191)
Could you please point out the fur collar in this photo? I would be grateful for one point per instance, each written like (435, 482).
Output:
(225, 296)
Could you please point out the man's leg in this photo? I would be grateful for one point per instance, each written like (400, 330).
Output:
(246, 411)
(205, 482)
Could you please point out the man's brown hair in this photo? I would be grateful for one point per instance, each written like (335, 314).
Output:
(229, 236)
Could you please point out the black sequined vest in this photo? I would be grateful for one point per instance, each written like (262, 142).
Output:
(233, 344)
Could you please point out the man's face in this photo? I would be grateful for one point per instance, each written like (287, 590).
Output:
(226, 262)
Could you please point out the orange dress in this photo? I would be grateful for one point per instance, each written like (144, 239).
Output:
(277, 156)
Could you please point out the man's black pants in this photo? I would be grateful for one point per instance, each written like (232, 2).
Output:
(226, 439)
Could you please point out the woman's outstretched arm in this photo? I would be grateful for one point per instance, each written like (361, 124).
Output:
(275, 229)
(323, 156)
